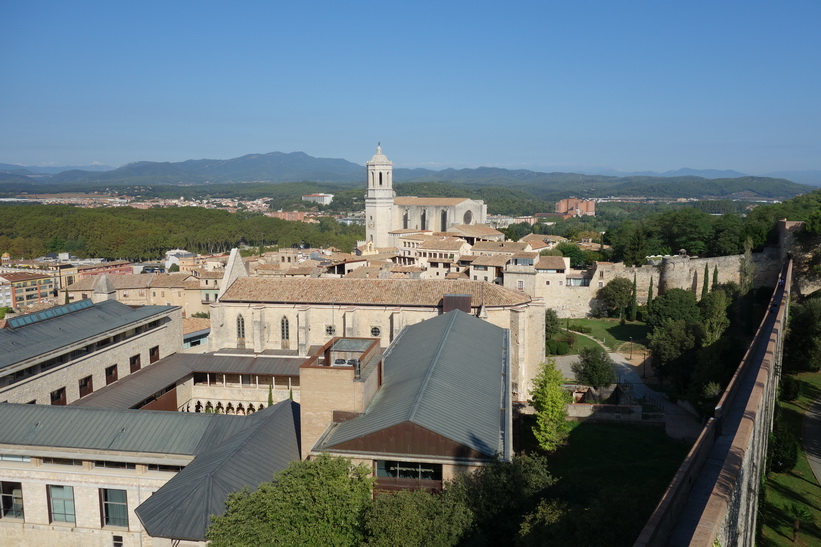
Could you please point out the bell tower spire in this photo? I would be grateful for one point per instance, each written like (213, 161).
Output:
(379, 199)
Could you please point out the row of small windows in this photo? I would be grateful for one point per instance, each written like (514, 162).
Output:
(285, 329)
(113, 504)
(78, 353)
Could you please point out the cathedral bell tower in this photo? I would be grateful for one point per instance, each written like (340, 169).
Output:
(379, 199)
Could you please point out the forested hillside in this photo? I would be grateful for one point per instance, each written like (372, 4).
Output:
(145, 234)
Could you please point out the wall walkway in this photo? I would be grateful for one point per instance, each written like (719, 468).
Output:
(714, 494)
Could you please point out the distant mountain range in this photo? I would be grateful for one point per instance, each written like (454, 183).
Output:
(278, 167)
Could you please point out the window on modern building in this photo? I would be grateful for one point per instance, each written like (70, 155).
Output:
(58, 396)
(134, 363)
(166, 468)
(106, 464)
(520, 285)
(110, 374)
(61, 461)
(11, 496)
(114, 507)
(409, 470)
(154, 354)
(14, 458)
(330, 330)
(60, 503)
(375, 332)
(86, 386)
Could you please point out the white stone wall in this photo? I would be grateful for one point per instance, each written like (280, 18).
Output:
(308, 327)
(86, 480)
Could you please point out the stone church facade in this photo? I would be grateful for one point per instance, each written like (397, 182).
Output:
(384, 212)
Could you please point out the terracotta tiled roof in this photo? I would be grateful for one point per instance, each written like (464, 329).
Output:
(438, 243)
(456, 275)
(497, 260)
(193, 324)
(208, 274)
(20, 276)
(172, 280)
(476, 230)
(119, 282)
(543, 238)
(499, 246)
(365, 272)
(430, 202)
(525, 254)
(551, 263)
(384, 292)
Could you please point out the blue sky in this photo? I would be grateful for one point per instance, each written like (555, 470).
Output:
(630, 85)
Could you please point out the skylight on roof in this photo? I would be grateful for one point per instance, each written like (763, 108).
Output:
(36, 317)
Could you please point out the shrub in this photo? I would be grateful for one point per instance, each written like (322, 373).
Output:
(782, 451)
(551, 347)
(790, 388)
(562, 348)
(568, 338)
(584, 329)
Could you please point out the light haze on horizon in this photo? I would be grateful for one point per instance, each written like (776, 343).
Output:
(553, 86)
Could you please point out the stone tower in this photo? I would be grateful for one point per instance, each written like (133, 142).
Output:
(379, 199)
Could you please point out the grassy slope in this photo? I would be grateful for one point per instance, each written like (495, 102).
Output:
(613, 333)
(613, 473)
(795, 486)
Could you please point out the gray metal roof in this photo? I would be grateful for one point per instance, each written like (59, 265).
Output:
(64, 331)
(445, 374)
(134, 388)
(181, 509)
(142, 431)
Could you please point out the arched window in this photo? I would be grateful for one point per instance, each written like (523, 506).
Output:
(424, 221)
(468, 218)
(405, 220)
(285, 330)
(240, 326)
(380, 178)
(444, 222)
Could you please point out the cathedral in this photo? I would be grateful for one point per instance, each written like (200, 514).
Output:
(384, 212)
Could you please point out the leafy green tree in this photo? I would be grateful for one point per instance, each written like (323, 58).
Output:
(668, 342)
(550, 400)
(803, 348)
(705, 287)
(574, 252)
(714, 317)
(552, 326)
(311, 502)
(635, 250)
(500, 495)
(594, 368)
(675, 304)
(616, 295)
(174, 268)
(747, 267)
(416, 518)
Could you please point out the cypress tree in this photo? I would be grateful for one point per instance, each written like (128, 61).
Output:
(633, 302)
(704, 287)
(271, 393)
(650, 297)
(715, 278)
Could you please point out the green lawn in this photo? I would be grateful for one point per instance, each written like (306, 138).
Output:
(611, 476)
(614, 334)
(795, 486)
